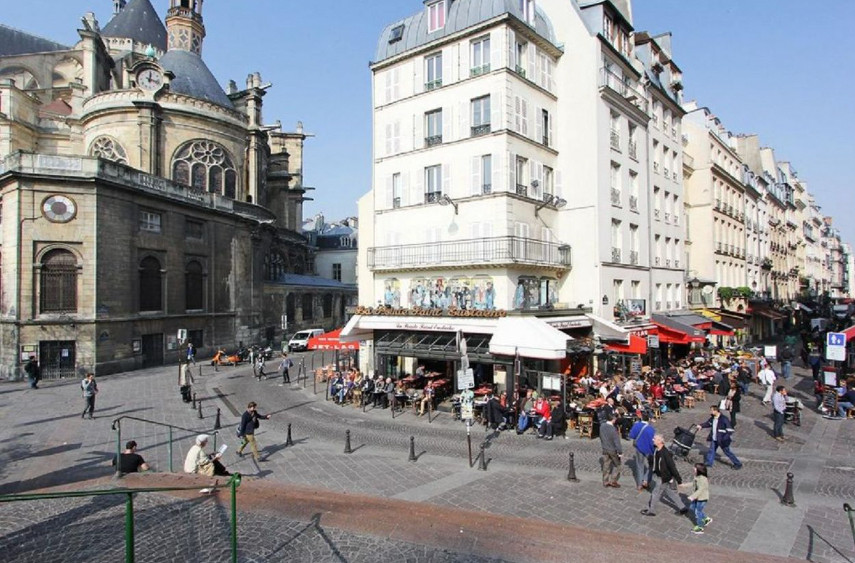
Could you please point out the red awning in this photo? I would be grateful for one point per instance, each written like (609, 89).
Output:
(673, 332)
(637, 345)
(850, 334)
(721, 329)
(330, 341)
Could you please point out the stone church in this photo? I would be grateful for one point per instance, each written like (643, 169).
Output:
(139, 198)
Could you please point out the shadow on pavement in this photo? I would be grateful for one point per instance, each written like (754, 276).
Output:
(92, 468)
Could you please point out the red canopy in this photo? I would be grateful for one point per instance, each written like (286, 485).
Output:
(637, 345)
(330, 341)
(850, 334)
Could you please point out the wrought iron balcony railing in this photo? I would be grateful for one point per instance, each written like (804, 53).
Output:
(633, 203)
(623, 86)
(522, 190)
(433, 140)
(503, 250)
(616, 255)
(479, 70)
(614, 139)
(633, 150)
(479, 130)
(615, 197)
(433, 197)
(633, 257)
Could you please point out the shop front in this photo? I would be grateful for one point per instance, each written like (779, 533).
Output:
(676, 339)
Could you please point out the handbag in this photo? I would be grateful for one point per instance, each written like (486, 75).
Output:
(724, 405)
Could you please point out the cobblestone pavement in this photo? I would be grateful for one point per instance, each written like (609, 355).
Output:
(44, 442)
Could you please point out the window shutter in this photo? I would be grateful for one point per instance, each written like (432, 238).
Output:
(512, 43)
(447, 68)
(463, 111)
(419, 76)
(389, 195)
(405, 189)
(475, 230)
(517, 114)
(486, 230)
(396, 137)
(550, 84)
(512, 172)
(448, 124)
(497, 171)
(557, 177)
(418, 190)
(539, 176)
(476, 176)
(550, 131)
(531, 72)
(388, 139)
(396, 83)
(496, 121)
(538, 119)
(388, 89)
(532, 175)
(446, 179)
(495, 52)
(524, 117)
(418, 131)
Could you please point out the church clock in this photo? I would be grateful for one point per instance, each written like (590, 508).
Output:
(59, 209)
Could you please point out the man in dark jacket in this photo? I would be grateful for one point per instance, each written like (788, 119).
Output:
(33, 372)
(248, 425)
(612, 451)
(719, 437)
(664, 468)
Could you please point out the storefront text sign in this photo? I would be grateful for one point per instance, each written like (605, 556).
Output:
(440, 327)
(422, 312)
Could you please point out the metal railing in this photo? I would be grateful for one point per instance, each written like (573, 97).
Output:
(633, 257)
(117, 426)
(489, 250)
(433, 140)
(479, 70)
(615, 197)
(478, 130)
(633, 203)
(614, 139)
(633, 150)
(433, 85)
(433, 197)
(233, 483)
(616, 255)
(622, 86)
(522, 189)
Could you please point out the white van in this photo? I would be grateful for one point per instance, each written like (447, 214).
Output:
(299, 341)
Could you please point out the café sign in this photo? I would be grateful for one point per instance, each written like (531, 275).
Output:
(382, 311)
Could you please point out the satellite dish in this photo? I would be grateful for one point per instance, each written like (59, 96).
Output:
(707, 290)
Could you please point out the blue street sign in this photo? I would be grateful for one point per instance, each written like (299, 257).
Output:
(835, 339)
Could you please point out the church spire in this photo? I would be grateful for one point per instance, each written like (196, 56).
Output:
(184, 25)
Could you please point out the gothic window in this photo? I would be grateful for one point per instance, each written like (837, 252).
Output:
(194, 289)
(205, 166)
(274, 266)
(58, 287)
(291, 307)
(151, 288)
(109, 149)
(308, 312)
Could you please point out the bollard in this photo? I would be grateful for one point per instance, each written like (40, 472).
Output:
(430, 411)
(482, 465)
(347, 449)
(412, 449)
(200, 371)
(469, 444)
(571, 473)
(848, 510)
(289, 441)
(200, 409)
(217, 424)
(788, 492)
(193, 405)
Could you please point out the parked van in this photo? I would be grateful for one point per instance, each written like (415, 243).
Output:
(300, 340)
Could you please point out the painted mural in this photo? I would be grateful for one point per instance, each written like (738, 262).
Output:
(533, 292)
(467, 293)
(392, 292)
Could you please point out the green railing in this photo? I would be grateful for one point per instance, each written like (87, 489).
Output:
(233, 484)
(117, 426)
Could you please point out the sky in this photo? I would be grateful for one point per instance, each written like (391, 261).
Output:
(777, 68)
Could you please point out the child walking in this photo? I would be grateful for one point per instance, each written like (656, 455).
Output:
(699, 497)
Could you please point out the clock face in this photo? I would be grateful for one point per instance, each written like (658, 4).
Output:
(149, 79)
(59, 209)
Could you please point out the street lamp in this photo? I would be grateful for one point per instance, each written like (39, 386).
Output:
(446, 200)
(550, 199)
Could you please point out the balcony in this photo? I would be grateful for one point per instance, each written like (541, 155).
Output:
(519, 70)
(615, 197)
(633, 257)
(668, 305)
(433, 197)
(676, 263)
(492, 251)
(667, 262)
(667, 217)
(666, 172)
(479, 70)
(433, 140)
(633, 150)
(522, 190)
(487, 189)
(622, 87)
(658, 305)
(633, 203)
(433, 85)
(718, 247)
(676, 219)
(396, 202)
(616, 255)
(614, 139)
(717, 205)
(479, 130)
(674, 176)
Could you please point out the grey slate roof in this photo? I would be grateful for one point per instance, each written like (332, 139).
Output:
(193, 78)
(16, 42)
(462, 15)
(138, 21)
(312, 281)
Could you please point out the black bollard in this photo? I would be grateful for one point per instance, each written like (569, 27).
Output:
(469, 443)
(412, 449)
(289, 441)
(200, 371)
(571, 473)
(200, 409)
(347, 448)
(217, 424)
(193, 405)
(788, 492)
(482, 465)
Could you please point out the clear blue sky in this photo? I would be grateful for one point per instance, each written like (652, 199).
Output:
(779, 68)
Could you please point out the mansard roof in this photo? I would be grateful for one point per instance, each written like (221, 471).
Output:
(140, 22)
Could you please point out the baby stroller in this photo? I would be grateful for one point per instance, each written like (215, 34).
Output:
(683, 441)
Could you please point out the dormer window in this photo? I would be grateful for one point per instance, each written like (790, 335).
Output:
(396, 34)
(436, 15)
(527, 11)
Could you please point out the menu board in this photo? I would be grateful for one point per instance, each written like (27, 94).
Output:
(829, 400)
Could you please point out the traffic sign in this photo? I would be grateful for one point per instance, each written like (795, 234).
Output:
(835, 346)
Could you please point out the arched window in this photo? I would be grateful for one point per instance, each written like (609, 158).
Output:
(274, 266)
(151, 288)
(205, 166)
(58, 287)
(328, 302)
(194, 289)
(308, 305)
(108, 148)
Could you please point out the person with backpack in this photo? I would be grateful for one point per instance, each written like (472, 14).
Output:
(641, 434)
(90, 389)
(31, 368)
(246, 430)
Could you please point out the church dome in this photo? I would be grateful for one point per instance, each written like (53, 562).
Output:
(138, 21)
(193, 78)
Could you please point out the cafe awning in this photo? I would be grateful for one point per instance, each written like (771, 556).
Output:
(608, 330)
(529, 337)
(331, 341)
(721, 329)
(637, 345)
(850, 334)
(691, 319)
(767, 313)
(674, 331)
(734, 319)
